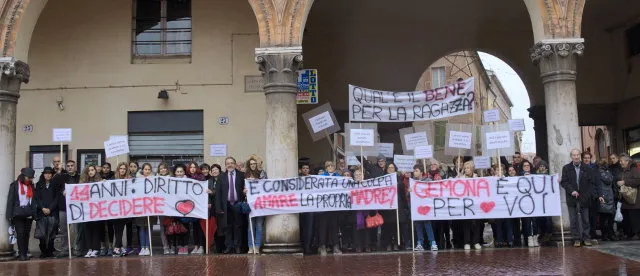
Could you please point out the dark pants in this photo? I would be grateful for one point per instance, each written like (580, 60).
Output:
(92, 234)
(517, 232)
(594, 208)
(23, 228)
(109, 234)
(544, 225)
(504, 231)
(362, 237)
(443, 235)
(118, 229)
(306, 230)
(578, 221)
(50, 226)
(198, 235)
(528, 227)
(130, 235)
(233, 231)
(471, 231)
(606, 224)
(327, 223)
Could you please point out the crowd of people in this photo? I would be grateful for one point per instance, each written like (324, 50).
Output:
(593, 193)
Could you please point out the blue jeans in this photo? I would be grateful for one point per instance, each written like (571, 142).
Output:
(143, 236)
(257, 230)
(504, 229)
(421, 226)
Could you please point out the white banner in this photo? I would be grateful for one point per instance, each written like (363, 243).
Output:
(404, 163)
(137, 197)
(486, 198)
(116, 146)
(368, 105)
(320, 194)
(62, 135)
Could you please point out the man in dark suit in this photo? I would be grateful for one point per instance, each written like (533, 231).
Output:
(228, 192)
(578, 181)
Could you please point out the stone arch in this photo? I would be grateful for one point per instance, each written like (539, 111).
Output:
(555, 19)
(18, 20)
(281, 22)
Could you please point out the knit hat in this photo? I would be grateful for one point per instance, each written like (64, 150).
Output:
(48, 170)
(381, 157)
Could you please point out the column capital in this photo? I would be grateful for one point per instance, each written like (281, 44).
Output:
(557, 58)
(279, 67)
(12, 74)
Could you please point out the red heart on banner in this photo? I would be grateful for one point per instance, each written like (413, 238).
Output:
(487, 206)
(424, 210)
(185, 207)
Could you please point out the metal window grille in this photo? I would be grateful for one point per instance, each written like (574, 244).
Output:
(161, 28)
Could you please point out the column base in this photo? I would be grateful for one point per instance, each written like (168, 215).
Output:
(282, 248)
(6, 256)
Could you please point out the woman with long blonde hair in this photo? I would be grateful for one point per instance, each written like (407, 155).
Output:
(92, 240)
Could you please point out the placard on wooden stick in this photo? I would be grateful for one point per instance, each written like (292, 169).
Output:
(321, 122)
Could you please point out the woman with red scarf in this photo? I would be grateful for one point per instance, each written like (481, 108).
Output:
(22, 209)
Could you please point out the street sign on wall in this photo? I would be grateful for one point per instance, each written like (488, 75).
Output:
(307, 86)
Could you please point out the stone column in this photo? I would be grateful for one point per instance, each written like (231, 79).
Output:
(537, 113)
(557, 60)
(279, 68)
(13, 74)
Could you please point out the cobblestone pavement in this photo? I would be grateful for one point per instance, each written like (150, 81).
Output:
(538, 261)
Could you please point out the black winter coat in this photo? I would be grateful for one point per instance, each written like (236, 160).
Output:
(587, 188)
(13, 202)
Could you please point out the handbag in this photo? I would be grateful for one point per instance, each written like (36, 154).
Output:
(242, 207)
(629, 194)
(176, 229)
(23, 212)
(374, 221)
(41, 230)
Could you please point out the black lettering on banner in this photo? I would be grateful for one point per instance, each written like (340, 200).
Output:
(417, 112)
(513, 205)
(437, 206)
(95, 189)
(553, 184)
(395, 98)
(357, 94)
(533, 205)
(356, 110)
(468, 203)
(196, 188)
(161, 183)
(500, 186)
(402, 112)
(77, 212)
(264, 186)
(452, 206)
(544, 184)
(526, 191)
(252, 187)
(148, 186)
(544, 203)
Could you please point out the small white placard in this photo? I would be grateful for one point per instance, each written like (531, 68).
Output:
(482, 162)
(361, 137)
(218, 150)
(413, 140)
(321, 122)
(460, 140)
(116, 147)
(38, 161)
(404, 163)
(498, 140)
(62, 135)
(352, 161)
(118, 137)
(385, 149)
(516, 125)
(423, 152)
(492, 115)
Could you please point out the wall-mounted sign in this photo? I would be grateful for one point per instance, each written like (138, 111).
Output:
(253, 84)
(307, 86)
(27, 128)
(223, 120)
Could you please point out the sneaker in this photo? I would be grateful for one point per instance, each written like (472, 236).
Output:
(109, 252)
(434, 246)
(250, 251)
(116, 252)
(200, 250)
(89, 253)
(477, 246)
(167, 251)
(530, 241)
(336, 250)
(173, 250)
(587, 243)
(467, 247)
(103, 252)
(536, 243)
(144, 252)
(322, 251)
(185, 251)
(576, 244)
(194, 251)
(419, 248)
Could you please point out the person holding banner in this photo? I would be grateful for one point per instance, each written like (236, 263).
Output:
(361, 233)
(503, 231)
(529, 229)
(199, 240)
(389, 228)
(306, 219)
(180, 238)
(133, 173)
(253, 172)
(22, 209)
(163, 170)
(214, 181)
(471, 229)
(92, 229)
(107, 240)
(122, 172)
(441, 227)
(422, 226)
(327, 222)
(142, 222)
(60, 180)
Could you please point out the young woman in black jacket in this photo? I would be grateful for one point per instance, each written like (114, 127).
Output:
(47, 199)
(22, 209)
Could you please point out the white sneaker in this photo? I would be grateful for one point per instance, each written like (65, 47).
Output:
(467, 247)
(195, 250)
(200, 250)
(419, 247)
(434, 246)
(477, 246)
(143, 252)
(530, 242)
(88, 255)
(250, 251)
(536, 243)
(95, 254)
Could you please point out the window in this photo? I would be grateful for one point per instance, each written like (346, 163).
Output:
(161, 28)
(441, 131)
(438, 77)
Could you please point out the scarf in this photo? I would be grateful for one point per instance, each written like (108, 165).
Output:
(25, 196)
(435, 175)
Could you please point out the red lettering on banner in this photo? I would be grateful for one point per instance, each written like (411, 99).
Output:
(473, 187)
(126, 207)
(379, 196)
(275, 201)
(147, 203)
(137, 206)
(110, 208)
(158, 205)
(80, 193)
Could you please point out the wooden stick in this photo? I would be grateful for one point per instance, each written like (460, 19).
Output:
(61, 157)
(398, 224)
(253, 237)
(68, 235)
(150, 243)
(206, 251)
(412, 237)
